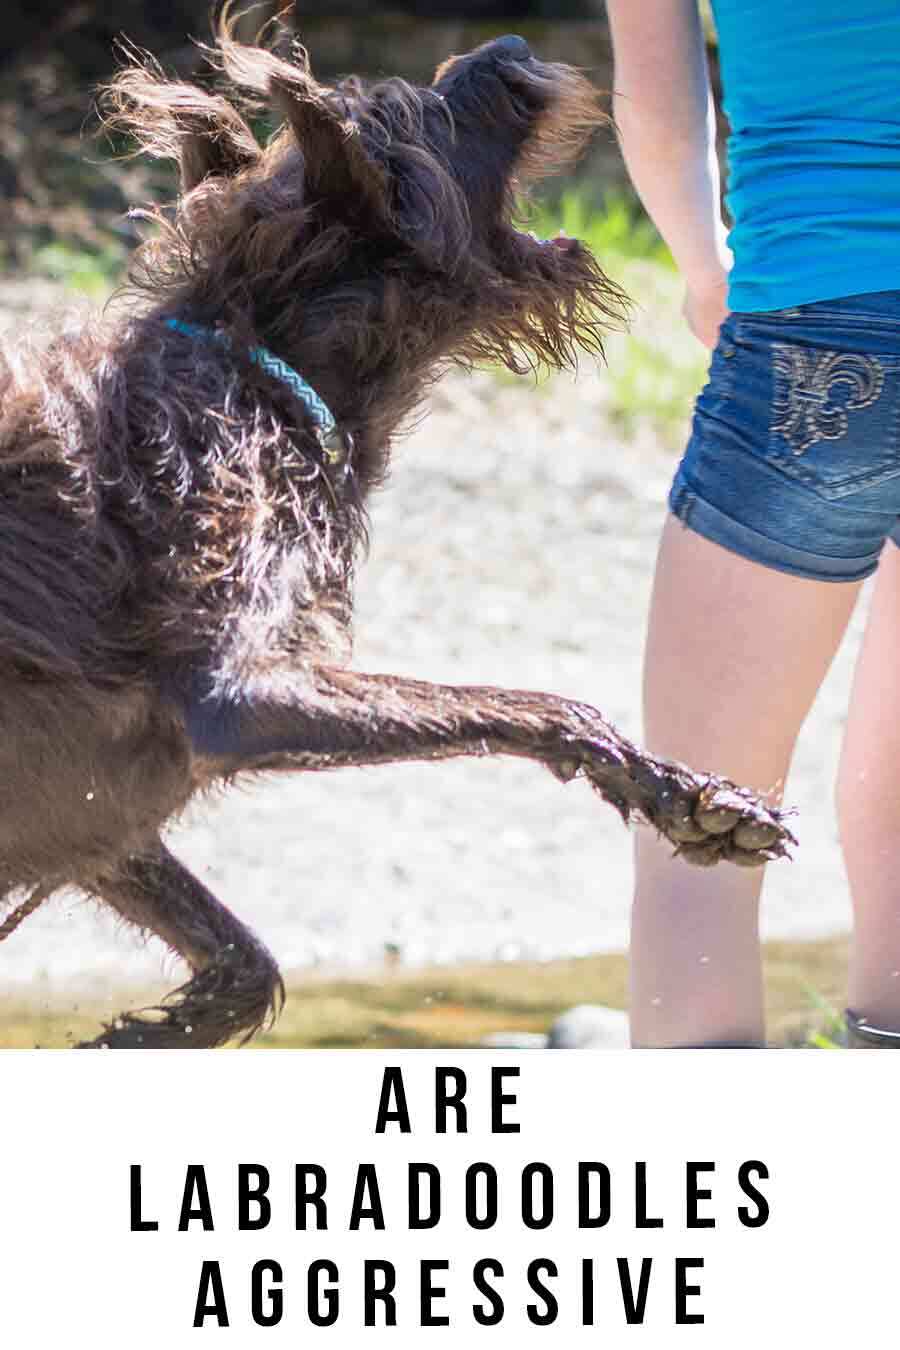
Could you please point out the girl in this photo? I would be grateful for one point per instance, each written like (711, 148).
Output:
(788, 495)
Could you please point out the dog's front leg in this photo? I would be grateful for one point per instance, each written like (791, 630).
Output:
(328, 718)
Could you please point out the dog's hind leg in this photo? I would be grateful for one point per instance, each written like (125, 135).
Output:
(328, 718)
(235, 987)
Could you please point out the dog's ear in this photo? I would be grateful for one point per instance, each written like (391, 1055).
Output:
(212, 149)
(201, 132)
(444, 69)
(336, 165)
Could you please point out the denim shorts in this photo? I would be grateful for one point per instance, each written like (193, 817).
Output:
(794, 455)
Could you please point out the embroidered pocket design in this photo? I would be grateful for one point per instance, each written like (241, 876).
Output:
(816, 391)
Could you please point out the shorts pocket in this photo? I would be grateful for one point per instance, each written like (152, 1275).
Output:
(834, 417)
(719, 387)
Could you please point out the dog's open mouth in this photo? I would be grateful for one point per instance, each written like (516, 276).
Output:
(561, 242)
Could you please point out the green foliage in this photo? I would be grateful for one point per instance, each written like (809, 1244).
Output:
(655, 369)
(832, 1033)
(91, 272)
(616, 229)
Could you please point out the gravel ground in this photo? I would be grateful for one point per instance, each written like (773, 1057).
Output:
(515, 546)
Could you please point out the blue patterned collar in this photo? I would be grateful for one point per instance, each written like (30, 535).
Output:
(273, 365)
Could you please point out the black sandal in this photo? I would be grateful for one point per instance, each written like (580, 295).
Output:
(861, 1035)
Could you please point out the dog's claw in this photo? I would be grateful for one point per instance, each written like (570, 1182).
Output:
(685, 830)
(755, 835)
(718, 820)
(564, 769)
(701, 855)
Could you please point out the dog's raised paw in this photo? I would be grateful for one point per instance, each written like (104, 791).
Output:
(708, 819)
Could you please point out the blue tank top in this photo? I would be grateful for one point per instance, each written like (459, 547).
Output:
(812, 92)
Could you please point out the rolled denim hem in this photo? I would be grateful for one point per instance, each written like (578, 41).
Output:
(711, 523)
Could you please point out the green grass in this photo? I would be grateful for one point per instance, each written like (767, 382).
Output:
(655, 369)
(91, 272)
(614, 228)
(456, 1007)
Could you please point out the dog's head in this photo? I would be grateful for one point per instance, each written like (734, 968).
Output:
(374, 236)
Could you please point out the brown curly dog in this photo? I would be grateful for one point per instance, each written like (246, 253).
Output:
(182, 491)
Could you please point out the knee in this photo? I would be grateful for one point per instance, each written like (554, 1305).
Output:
(867, 806)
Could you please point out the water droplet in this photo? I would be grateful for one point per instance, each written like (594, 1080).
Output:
(655, 1002)
(704, 960)
(188, 1030)
(895, 974)
(89, 796)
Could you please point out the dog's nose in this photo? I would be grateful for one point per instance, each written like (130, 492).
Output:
(512, 47)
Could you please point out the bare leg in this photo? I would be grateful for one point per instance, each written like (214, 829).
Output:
(869, 806)
(735, 655)
(236, 986)
(330, 718)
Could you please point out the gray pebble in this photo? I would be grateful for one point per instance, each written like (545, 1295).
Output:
(514, 1040)
(589, 1027)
